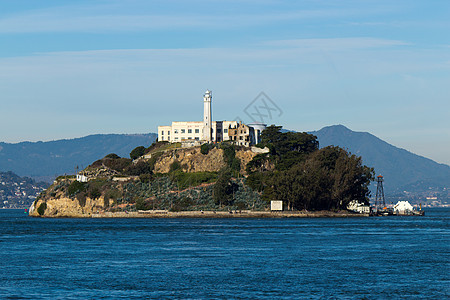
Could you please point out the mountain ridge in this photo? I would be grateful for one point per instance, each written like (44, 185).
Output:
(398, 166)
(44, 160)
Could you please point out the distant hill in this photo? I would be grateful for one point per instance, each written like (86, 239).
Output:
(18, 192)
(400, 168)
(44, 160)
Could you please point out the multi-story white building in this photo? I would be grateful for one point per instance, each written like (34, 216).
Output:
(180, 131)
(208, 130)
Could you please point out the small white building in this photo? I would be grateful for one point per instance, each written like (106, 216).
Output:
(82, 178)
(358, 207)
(276, 205)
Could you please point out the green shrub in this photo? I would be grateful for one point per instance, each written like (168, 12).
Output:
(62, 177)
(205, 148)
(41, 209)
(118, 164)
(112, 156)
(96, 187)
(174, 166)
(136, 169)
(113, 194)
(97, 164)
(155, 146)
(229, 154)
(224, 189)
(153, 159)
(185, 180)
(145, 178)
(137, 152)
(241, 205)
(182, 204)
(76, 187)
(94, 192)
(142, 204)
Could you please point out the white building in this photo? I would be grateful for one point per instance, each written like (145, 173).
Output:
(208, 130)
(358, 207)
(403, 208)
(276, 205)
(82, 178)
(180, 131)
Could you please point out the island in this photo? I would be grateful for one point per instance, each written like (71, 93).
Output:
(215, 179)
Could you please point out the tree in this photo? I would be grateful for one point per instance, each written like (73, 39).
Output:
(351, 178)
(137, 152)
(327, 179)
(112, 156)
(224, 188)
(288, 148)
(139, 168)
(204, 148)
(229, 154)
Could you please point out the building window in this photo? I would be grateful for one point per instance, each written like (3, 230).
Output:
(162, 132)
(225, 130)
(197, 138)
(189, 130)
(175, 131)
(168, 132)
(183, 131)
(197, 130)
(240, 137)
(176, 138)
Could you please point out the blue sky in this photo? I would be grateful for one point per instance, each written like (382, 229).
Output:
(73, 68)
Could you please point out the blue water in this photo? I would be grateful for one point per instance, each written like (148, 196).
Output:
(359, 258)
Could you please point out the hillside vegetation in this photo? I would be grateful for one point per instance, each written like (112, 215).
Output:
(215, 177)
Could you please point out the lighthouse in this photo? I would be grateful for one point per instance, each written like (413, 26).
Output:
(207, 118)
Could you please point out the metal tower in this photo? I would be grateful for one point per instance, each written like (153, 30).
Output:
(379, 199)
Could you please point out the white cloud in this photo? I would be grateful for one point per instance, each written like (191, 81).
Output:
(337, 43)
(118, 18)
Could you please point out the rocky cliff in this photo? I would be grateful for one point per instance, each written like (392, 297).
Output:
(192, 160)
(67, 207)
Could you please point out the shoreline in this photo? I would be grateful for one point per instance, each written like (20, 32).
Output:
(163, 214)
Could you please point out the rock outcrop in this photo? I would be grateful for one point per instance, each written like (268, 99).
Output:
(66, 207)
(191, 160)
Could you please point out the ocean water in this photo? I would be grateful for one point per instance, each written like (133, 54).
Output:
(326, 258)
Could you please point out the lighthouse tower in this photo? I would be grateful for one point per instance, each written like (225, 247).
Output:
(207, 118)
